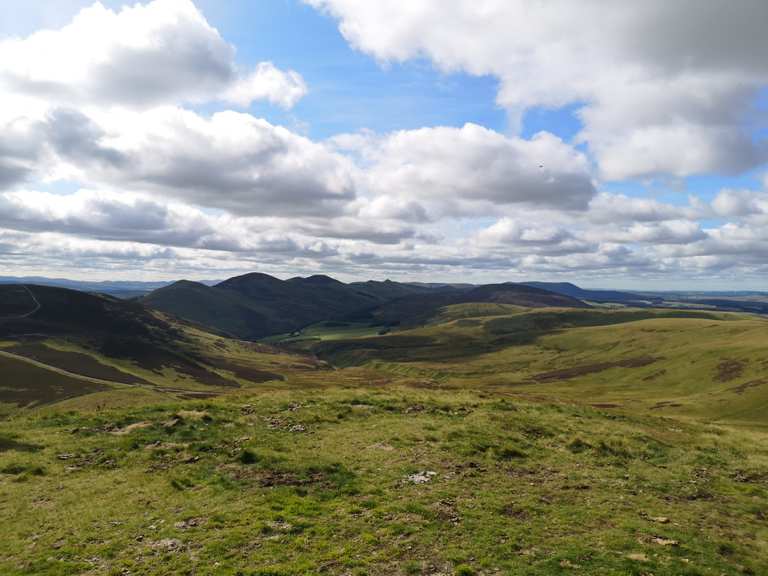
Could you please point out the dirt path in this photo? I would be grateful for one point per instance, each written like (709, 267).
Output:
(58, 370)
(34, 299)
(26, 314)
(156, 388)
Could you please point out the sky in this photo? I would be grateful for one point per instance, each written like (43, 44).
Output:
(618, 144)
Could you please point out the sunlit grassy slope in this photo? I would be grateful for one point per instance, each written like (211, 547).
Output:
(712, 365)
(493, 440)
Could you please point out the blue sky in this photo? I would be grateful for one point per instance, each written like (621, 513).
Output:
(656, 179)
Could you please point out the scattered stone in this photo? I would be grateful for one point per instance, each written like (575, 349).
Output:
(280, 526)
(130, 428)
(297, 428)
(189, 523)
(67, 456)
(416, 408)
(172, 423)
(638, 557)
(659, 519)
(166, 545)
(422, 477)
(664, 541)
(274, 423)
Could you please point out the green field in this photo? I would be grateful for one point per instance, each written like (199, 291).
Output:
(492, 440)
(326, 331)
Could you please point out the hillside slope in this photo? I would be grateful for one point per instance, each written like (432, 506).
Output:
(692, 363)
(569, 289)
(256, 305)
(57, 343)
(417, 309)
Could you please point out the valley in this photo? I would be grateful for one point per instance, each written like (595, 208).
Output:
(499, 429)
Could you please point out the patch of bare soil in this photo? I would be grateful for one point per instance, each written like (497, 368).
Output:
(729, 369)
(246, 372)
(747, 385)
(665, 404)
(576, 371)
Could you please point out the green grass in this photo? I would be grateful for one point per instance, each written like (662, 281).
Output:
(494, 440)
(301, 483)
(327, 331)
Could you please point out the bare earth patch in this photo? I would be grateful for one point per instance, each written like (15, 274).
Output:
(576, 371)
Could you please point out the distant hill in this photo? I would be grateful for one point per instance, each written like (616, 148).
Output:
(568, 289)
(121, 329)
(388, 290)
(257, 305)
(59, 343)
(121, 289)
(415, 309)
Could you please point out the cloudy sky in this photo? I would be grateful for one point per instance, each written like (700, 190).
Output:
(616, 144)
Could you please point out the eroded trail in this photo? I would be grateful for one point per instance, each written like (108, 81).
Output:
(163, 389)
(36, 308)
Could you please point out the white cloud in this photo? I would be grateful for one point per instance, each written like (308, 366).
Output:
(267, 82)
(231, 160)
(472, 169)
(169, 190)
(740, 203)
(144, 55)
(664, 85)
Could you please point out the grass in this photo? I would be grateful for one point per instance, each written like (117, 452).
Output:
(494, 440)
(327, 331)
(299, 483)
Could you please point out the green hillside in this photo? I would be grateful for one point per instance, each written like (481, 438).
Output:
(74, 344)
(488, 438)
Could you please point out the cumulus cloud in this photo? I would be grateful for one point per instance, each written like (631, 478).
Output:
(144, 55)
(740, 203)
(267, 82)
(664, 85)
(454, 168)
(231, 160)
(110, 103)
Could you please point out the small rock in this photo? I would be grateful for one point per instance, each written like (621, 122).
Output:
(659, 519)
(189, 523)
(172, 423)
(664, 541)
(166, 545)
(422, 477)
(297, 428)
(638, 557)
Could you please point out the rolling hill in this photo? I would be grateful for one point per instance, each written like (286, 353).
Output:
(417, 309)
(489, 438)
(256, 305)
(57, 343)
(569, 289)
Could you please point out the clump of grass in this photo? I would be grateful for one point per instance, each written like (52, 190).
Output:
(510, 452)
(248, 457)
(579, 445)
(16, 469)
(614, 448)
